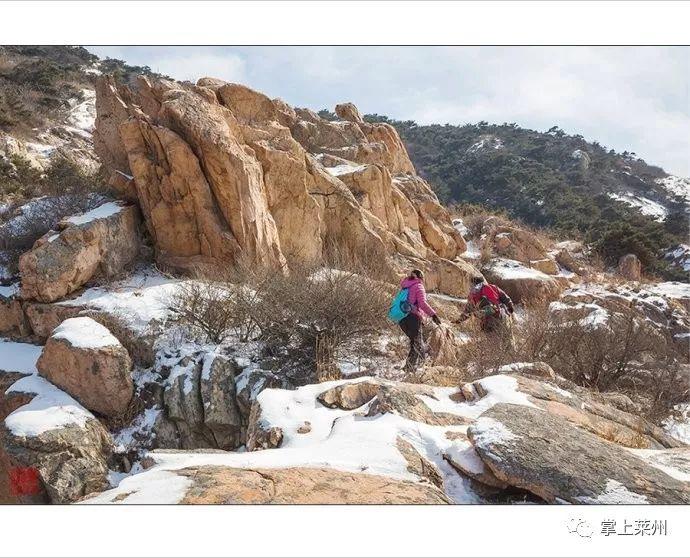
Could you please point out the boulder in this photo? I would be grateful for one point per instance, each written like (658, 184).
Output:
(521, 283)
(45, 317)
(53, 449)
(463, 457)
(225, 485)
(630, 267)
(547, 265)
(349, 396)
(83, 358)
(13, 321)
(403, 399)
(250, 383)
(417, 464)
(592, 412)
(260, 434)
(567, 258)
(100, 243)
(445, 348)
(534, 450)
(513, 242)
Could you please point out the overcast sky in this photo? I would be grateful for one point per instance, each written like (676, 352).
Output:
(626, 98)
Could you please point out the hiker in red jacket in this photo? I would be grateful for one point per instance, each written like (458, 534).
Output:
(412, 323)
(489, 303)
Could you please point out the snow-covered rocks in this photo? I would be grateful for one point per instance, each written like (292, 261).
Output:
(540, 452)
(46, 434)
(199, 398)
(673, 290)
(663, 306)
(521, 282)
(103, 242)
(679, 256)
(88, 362)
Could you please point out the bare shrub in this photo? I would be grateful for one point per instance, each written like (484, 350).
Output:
(205, 307)
(626, 354)
(306, 317)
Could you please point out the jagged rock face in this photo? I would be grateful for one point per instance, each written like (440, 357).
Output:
(102, 243)
(540, 452)
(224, 174)
(200, 401)
(225, 485)
(95, 373)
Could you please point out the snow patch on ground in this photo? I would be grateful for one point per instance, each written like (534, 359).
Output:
(464, 454)
(9, 290)
(665, 460)
(85, 333)
(18, 357)
(671, 289)
(140, 429)
(472, 251)
(676, 185)
(645, 205)
(679, 256)
(138, 300)
(459, 226)
(157, 486)
(339, 439)
(82, 115)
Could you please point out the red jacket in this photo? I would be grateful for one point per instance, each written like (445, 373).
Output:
(494, 294)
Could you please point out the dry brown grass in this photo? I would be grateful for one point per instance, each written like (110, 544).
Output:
(629, 356)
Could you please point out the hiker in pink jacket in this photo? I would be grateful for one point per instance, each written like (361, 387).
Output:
(412, 323)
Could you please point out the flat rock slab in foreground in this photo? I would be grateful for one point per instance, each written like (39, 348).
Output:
(225, 485)
(531, 449)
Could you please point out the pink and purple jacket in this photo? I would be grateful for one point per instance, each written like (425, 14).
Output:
(416, 296)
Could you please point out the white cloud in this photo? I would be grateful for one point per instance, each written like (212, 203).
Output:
(627, 98)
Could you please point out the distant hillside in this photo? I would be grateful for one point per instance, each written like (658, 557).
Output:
(614, 200)
(38, 83)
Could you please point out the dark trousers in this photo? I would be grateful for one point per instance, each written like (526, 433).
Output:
(412, 327)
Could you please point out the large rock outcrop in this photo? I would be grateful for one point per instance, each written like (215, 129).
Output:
(223, 174)
(101, 242)
(83, 358)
